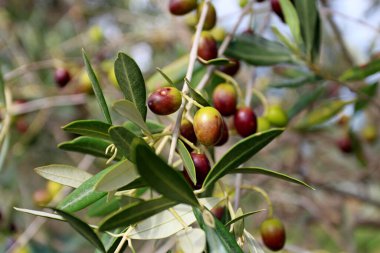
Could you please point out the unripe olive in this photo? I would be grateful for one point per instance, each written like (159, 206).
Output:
(225, 135)
(165, 100)
(62, 77)
(262, 124)
(345, 145)
(276, 116)
(187, 130)
(53, 188)
(208, 124)
(369, 133)
(245, 121)
(207, 48)
(182, 7)
(273, 234)
(210, 16)
(224, 98)
(231, 68)
(202, 168)
(218, 33)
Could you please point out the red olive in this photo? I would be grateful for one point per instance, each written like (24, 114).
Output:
(187, 131)
(182, 7)
(225, 135)
(224, 98)
(245, 121)
(202, 168)
(345, 145)
(231, 68)
(62, 77)
(207, 48)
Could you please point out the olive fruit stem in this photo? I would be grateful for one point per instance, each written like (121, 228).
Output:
(265, 196)
(251, 81)
(190, 144)
(262, 99)
(185, 88)
(191, 100)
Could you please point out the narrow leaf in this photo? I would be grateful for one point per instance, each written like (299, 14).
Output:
(291, 45)
(84, 229)
(310, 26)
(2, 90)
(256, 50)
(271, 173)
(89, 145)
(170, 82)
(240, 153)
(219, 240)
(161, 177)
(305, 100)
(243, 216)
(92, 128)
(196, 95)
(131, 82)
(165, 224)
(295, 83)
(360, 72)
(127, 109)
(117, 177)
(96, 87)
(215, 61)
(365, 95)
(154, 127)
(85, 194)
(122, 138)
(187, 161)
(135, 212)
(104, 207)
(63, 174)
(40, 213)
(323, 113)
(137, 183)
(292, 20)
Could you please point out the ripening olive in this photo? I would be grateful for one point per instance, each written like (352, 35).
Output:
(345, 144)
(187, 130)
(224, 98)
(165, 100)
(210, 16)
(182, 7)
(207, 48)
(273, 234)
(225, 135)
(245, 121)
(208, 124)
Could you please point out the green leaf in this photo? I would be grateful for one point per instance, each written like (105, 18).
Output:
(243, 216)
(271, 173)
(131, 82)
(170, 82)
(295, 83)
(187, 161)
(240, 153)
(89, 145)
(365, 95)
(127, 109)
(292, 20)
(196, 95)
(239, 224)
(305, 100)
(256, 50)
(96, 87)
(322, 113)
(40, 214)
(310, 27)
(85, 194)
(291, 45)
(176, 71)
(219, 240)
(161, 177)
(215, 61)
(122, 138)
(137, 183)
(82, 227)
(92, 128)
(117, 177)
(104, 207)
(360, 72)
(135, 212)
(63, 174)
(153, 127)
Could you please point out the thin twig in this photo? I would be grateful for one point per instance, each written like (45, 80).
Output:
(189, 73)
